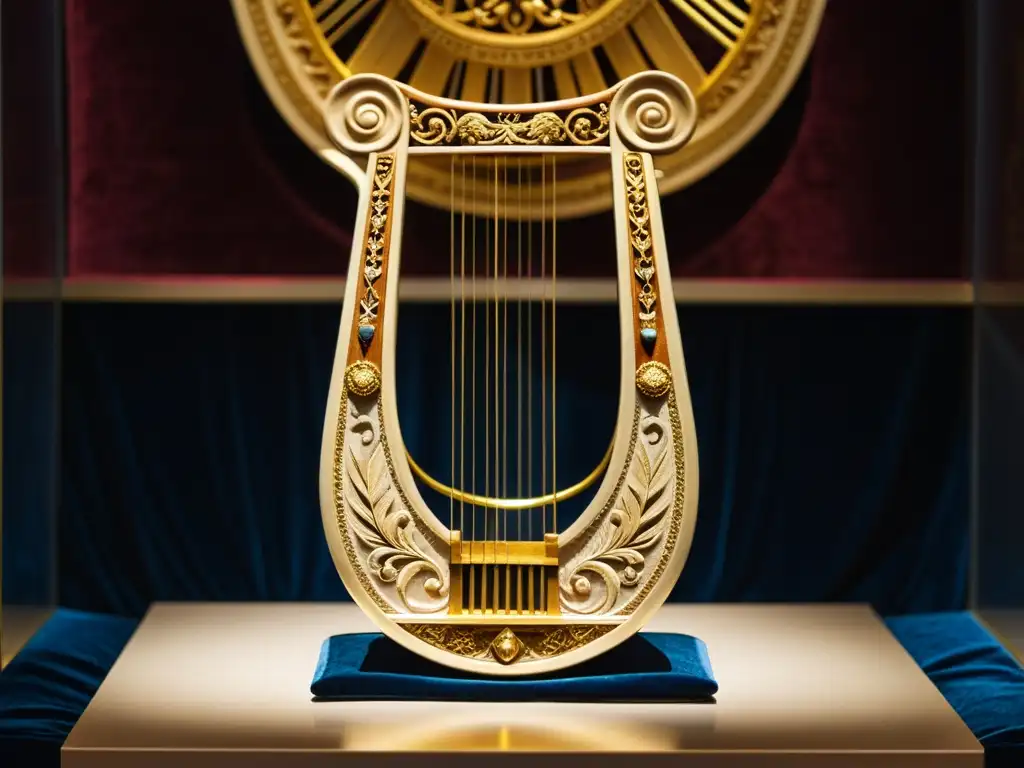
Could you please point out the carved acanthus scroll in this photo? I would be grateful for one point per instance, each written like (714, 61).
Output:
(391, 546)
(617, 552)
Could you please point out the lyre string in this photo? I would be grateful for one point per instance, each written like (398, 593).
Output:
(472, 405)
(497, 413)
(543, 349)
(504, 365)
(554, 343)
(497, 480)
(462, 368)
(519, 347)
(518, 412)
(495, 98)
(451, 242)
(543, 361)
(487, 368)
(529, 369)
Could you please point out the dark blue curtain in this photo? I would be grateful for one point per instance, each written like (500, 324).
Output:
(833, 448)
(30, 448)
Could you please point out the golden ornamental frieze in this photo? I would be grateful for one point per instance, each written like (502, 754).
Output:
(584, 126)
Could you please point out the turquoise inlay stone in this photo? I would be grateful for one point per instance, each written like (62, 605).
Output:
(648, 336)
(365, 336)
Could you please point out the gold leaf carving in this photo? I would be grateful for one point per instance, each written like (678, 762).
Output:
(638, 211)
(538, 642)
(373, 265)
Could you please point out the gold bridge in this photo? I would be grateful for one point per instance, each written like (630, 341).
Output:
(504, 578)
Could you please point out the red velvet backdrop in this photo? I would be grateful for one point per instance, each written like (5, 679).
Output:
(32, 158)
(178, 164)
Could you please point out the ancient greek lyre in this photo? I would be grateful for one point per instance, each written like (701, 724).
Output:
(500, 589)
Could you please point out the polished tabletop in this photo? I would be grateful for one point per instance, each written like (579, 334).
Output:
(227, 684)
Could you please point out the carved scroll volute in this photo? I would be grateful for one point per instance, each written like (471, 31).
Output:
(366, 114)
(654, 112)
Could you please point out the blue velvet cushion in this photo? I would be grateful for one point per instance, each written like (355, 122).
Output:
(47, 686)
(650, 666)
(978, 677)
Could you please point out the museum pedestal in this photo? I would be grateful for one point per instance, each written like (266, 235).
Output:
(228, 685)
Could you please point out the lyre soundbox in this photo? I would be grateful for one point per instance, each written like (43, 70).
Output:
(490, 580)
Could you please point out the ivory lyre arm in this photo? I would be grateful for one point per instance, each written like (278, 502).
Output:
(569, 595)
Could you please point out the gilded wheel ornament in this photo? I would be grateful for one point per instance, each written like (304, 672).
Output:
(740, 58)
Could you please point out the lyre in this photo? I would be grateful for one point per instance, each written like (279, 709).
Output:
(487, 604)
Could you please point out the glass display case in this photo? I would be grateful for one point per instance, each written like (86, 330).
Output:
(148, 236)
(849, 282)
(134, 222)
(998, 570)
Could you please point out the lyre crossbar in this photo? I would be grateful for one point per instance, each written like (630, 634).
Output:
(495, 603)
